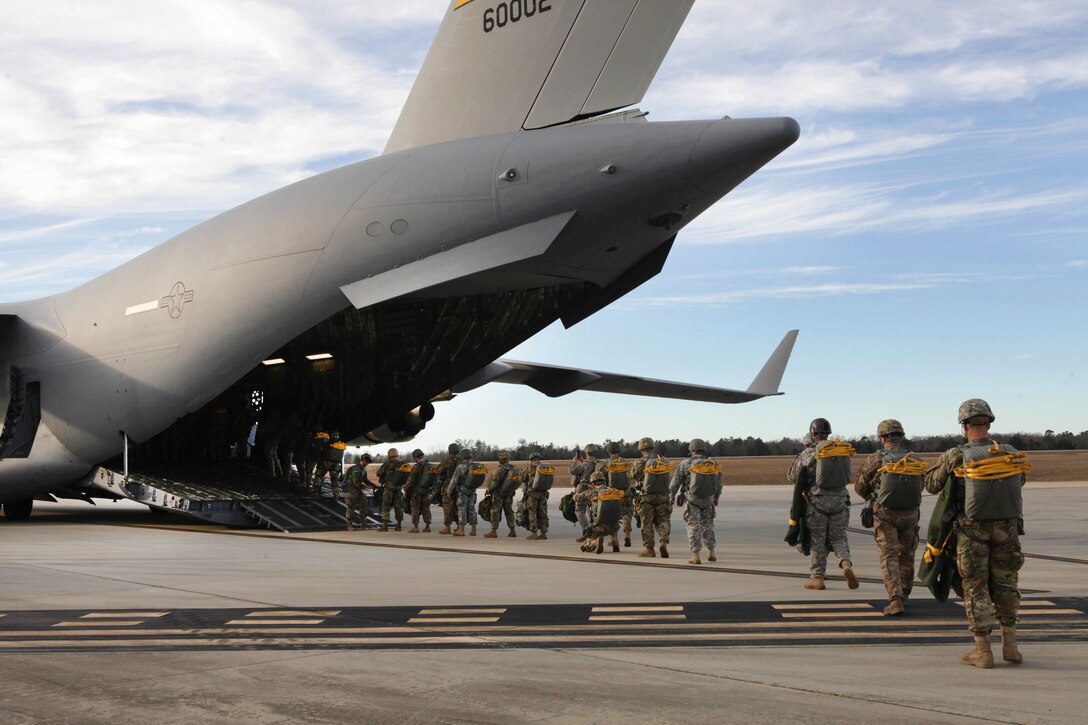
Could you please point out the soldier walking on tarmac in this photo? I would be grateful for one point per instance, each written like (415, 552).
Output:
(504, 482)
(618, 475)
(355, 484)
(462, 489)
(391, 476)
(987, 478)
(536, 502)
(417, 492)
(823, 471)
(580, 471)
(449, 504)
(892, 477)
(650, 477)
(697, 486)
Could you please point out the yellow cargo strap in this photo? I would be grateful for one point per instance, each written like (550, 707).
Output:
(339, 445)
(434, 468)
(515, 477)
(932, 552)
(659, 467)
(1002, 465)
(705, 467)
(618, 467)
(405, 468)
(546, 470)
(322, 436)
(477, 470)
(611, 494)
(835, 449)
(906, 465)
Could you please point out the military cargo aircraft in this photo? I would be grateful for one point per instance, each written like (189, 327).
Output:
(518, 188)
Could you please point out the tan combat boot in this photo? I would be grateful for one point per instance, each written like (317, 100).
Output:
(816, 582)
(982, 656)
(384, 526)
(710, 555)
(513, 534)
(1009, 652)
(459, 531)
(445, 529)
(664, 549)
(627, 539)
(615, 544)
(695, 558)
(493, 534)
(414, 529)
(543, 535)
(531, 536)
(647, 552)
(472, 532)
(600, 544)
(398, 527)
(895, 607)
(848, 572)
(427, 529)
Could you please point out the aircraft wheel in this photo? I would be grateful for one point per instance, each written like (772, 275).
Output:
(18, 510)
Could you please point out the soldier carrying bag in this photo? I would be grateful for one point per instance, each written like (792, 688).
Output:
(900, 480)
(618, 473)
(833, 464)
(993, 479)
(656, 477)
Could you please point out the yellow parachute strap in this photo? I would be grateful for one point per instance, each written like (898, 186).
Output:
(405, 468)
(835, 449)
(659, 467)
(793, 522)
(546, 470)
(322, 436)
(477, 470)
(434, 468)
(514, 475)
(618, 467)
(1002, 465)
(906, 465)
(932, 552)
(611, 494)
(705, 467)
(339, 445)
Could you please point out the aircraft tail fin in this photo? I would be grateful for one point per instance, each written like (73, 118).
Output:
(770, 376)
(507, 65)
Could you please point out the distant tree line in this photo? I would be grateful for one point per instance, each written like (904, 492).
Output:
(750, 446)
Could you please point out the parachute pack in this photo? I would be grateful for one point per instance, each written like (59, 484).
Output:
(900, 480)
(609, 503)
(475, 478)
(400, 474)
(704, 479)
(833, 464)
(656, 477)
(544, 478)
(993, 481)
(511, 482)
(619, 475)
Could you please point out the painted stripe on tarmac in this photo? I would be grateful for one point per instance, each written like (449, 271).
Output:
(630, 617)
(678, 608)
(814, 605)
(425, 612)
(450, 620)
(293, 613)
(124, 615)
(256, 622)
(109, 623)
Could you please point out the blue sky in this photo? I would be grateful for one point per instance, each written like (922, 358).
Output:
(927, 233)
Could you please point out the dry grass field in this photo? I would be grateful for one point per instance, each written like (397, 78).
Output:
(763, 470)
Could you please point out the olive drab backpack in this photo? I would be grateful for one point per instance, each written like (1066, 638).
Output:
(704, 479)
(484, 507)
(476, 474)
(511, 482)
(656, 476)
(609, 503)
(544, 478)
(400, 474)
(900, 479)
(429, 477)
(992, 480)
(619, 474)
(833, 464)
(566, 507)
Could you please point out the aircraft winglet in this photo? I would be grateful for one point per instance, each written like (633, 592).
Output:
(770, 376)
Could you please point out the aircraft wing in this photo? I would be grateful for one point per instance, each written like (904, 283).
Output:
(555, 381)
(499, 67)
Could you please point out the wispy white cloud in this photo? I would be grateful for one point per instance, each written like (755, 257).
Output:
(1078, 263)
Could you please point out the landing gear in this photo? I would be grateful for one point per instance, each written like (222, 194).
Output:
(18, 510)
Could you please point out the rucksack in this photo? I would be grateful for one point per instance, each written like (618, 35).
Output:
(484, 508)
(656, 477)
(704, 479)
(566, 507)
(993, 479)
(833, 464)
(618, 473)
(475, 477)
(900, 479)
(545, 476)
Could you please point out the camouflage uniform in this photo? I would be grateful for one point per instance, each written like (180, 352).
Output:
(827, 514)
(445, 470)
(988, 552)
(580, 472)
(698, 512)
(654, 509)
(392, 496)
(465, 497)
(355, 501)
(315, 452)
(627, 506)
(895, 530)
(588, 497)
(501, 502)
(418, 496)
(536, 503)
(332, 463)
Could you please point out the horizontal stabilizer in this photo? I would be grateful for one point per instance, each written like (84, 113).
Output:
(555, 381)
(500, 67)
(507, 247)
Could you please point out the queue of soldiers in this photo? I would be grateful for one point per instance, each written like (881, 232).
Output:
(973, 539)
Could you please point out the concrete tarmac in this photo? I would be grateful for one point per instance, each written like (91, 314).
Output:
(115, 614)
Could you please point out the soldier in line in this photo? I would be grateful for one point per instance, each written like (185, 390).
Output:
(355, 484)
(536, 502)
(606, 504)
(653, 498)
(699, 480)
(417, 492)
(828, 511)
(445, 470)
(619, 470)
(332, 463)
(580, 471)
(391, 479)
(315, 452)
(460, 490)
(893, 478)
(504, 482)
(989, 514)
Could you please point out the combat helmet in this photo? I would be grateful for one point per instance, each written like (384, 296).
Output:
(613, 447)
(598, 477)
(534, 456)
(366, 458)
(888, 427)
(591, 449)
(504, 456)
(697, 445)
(646, 444)
(819, 426)
(466, 454)
(393, 453)
(454, 449)
(976, 408)
(417, 453)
